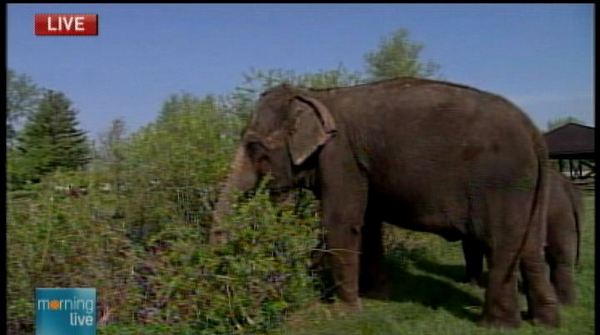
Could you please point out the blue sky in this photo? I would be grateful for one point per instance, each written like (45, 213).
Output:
(539, 56)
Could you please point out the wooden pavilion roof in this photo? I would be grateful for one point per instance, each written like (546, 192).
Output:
(571, 141)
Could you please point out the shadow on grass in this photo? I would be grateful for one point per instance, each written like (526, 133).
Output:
(405, 286)
(453, 272)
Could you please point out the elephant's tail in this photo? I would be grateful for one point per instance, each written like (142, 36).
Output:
(576, 205)
(538, 210)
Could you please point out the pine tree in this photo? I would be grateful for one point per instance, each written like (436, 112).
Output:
(51, 140)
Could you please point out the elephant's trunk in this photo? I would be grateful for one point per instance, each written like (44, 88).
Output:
(242, 178)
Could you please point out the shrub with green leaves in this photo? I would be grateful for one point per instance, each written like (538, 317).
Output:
(56, 239)
(173, 166)
(245, 286)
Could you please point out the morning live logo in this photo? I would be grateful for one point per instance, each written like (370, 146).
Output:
(66, 24)
(65, 311)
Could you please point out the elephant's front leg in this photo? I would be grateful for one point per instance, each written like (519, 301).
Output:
(344, 198)
(343, 241)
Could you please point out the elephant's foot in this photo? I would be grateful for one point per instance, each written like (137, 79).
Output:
(566, 299)
(565, 294)
(500, 322)
(542, 301)
(375, 285)
(562, 278)
(344, 308)
(382, 290)
(546, 315)
(501, 314)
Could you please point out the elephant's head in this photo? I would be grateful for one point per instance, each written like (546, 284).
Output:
(287, 128)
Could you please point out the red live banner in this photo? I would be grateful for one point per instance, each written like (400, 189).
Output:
(66, 24)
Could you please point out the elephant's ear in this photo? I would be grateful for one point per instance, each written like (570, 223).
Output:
(312, 127)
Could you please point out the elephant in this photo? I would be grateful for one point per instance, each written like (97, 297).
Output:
(422, 154)
(563, 239)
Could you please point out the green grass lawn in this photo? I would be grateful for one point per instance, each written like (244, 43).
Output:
(427, 297)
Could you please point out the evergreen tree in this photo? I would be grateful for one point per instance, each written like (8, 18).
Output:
(51, 140)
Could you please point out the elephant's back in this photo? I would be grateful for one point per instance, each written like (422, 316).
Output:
(561, 205)
(423, 103)
(435, 121)
(562, 225)
(433, 141)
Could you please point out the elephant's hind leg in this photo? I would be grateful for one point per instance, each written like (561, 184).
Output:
(562, 278)
(542, 301)
(506, 223)
(501, 306)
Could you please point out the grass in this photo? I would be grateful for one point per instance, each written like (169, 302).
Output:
(427, 297)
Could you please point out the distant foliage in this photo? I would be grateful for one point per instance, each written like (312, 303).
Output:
(258, 81)
(398, 56)
(112, 143)
(22, 97)
(264, 80)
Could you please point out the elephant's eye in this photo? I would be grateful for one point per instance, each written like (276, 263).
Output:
(256, 151)
(259, 155)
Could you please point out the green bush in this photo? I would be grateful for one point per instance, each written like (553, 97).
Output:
(56, 240)
(173, 279)
(245, 286)
(172, 168)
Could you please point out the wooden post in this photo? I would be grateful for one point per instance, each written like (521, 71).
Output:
(571, 168)
(560, 165)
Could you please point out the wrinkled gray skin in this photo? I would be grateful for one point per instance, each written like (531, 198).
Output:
(421, 154)
(563, 240)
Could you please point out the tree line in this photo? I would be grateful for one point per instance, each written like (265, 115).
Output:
(51, 139)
